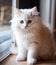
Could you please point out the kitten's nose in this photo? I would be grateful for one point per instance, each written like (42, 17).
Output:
(26, 26)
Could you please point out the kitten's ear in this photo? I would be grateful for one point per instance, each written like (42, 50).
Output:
(13, 19)
(17, 11)
(34, 11)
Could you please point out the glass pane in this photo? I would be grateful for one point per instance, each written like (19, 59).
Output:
(5, 14)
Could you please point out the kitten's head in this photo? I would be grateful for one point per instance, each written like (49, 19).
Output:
(24, 17)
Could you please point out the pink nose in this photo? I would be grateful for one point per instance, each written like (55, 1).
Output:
(26, 26)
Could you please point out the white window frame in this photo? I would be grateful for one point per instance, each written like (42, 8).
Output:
(47, 11)
(15, 4)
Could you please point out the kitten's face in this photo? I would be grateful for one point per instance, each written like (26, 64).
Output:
(24, 18)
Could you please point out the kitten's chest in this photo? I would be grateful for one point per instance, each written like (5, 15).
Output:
(24, 39)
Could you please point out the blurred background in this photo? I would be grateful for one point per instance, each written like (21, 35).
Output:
(5, 13)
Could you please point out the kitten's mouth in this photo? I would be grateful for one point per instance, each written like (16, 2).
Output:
(26, 27)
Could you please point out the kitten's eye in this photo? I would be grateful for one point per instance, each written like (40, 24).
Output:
(29, 21)
(21, 21)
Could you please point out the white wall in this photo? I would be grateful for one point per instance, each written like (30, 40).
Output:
(47, 12)
(52, 14)
(44, 11)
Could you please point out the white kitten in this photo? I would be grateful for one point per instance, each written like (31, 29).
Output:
(32, 37)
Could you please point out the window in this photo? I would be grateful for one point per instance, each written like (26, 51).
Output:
(5, 13)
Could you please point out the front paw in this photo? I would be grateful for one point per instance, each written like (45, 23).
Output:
(31, 61)
(20, 58)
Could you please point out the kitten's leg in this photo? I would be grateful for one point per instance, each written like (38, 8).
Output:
(21, 54)
(32, 55)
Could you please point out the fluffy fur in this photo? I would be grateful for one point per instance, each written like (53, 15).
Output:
(33, 39)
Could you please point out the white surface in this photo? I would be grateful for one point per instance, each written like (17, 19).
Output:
(47, 8)
(44, 11)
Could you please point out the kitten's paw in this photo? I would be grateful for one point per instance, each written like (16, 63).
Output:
(31, 61)
(20, 58)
